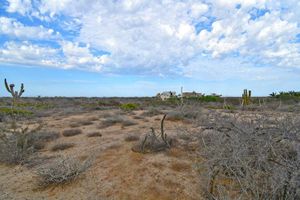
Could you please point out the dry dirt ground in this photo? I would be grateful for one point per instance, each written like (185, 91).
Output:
(116, 171)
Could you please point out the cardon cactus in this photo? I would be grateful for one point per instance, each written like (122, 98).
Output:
(246, 97)
(10, 89)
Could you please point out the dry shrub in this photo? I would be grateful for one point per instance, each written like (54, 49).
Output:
(17, 148)
(137, 117)
(62, 146)
(86, 122)
(94, 134)
(151, 112)
(131, 138)
(75, 125)
(111, 121)
(61, 170)
(71, 132)
(259, 157)
(128, 123)
(175, 116)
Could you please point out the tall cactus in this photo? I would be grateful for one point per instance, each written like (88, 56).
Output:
(10, 89)
(246, 97)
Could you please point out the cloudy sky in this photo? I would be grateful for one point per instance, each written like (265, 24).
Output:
(141, 47)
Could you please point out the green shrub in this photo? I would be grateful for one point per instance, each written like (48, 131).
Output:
(228, 107)
(129, 106)
(8, 111)
(207, 98)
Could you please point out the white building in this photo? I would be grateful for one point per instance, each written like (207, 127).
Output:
(166, 95)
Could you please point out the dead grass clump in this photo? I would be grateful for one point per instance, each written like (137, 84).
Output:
(71, 132)
(111, 121)
(175, 116)
(131, 138)
(39, 139)
(62, 146)
(128, 123)
(151, 112)
(86, 123)
(75, 125)
(94, 134)
(138, 117)
(44, 136)
(61, 171)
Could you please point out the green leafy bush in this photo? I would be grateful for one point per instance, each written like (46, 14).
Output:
(129, 106)
(8, 111)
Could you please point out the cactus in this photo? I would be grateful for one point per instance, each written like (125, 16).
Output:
(154, 142)
(246, 97)
(10, 89)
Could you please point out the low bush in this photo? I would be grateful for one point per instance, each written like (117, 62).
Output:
(17, 148)
(129, 106)
(110, 121)
(61, 170)
(131, 138)
(62, 146)
(94, 134)
(259, 158)
(151, 112)
(71, 132)
(9, 111)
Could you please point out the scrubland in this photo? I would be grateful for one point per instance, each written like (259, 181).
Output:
(144, 148)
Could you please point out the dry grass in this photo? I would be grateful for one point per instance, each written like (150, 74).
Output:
(75, 125)
(151, 112)
(131, 138)
(71, 132)
(94, 134)
(111, 121)
(62, 146)
(175, 116)
(180, 166)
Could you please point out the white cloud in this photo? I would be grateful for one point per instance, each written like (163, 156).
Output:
(81, 57)
(69, 56)
(13, 28)
(28, 54)
(21, 6)
(162, 37)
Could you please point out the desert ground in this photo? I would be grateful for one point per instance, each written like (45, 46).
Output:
(213, 150)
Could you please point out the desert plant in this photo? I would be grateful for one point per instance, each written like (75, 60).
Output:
(61, 170)
(15, 94)
(131, 138)
(259, 158)
(62, 146)
(246, 97)
(94, 134)
(129, 106)
(153, 142)
(113, 120)
(18, 146)
(71, 132)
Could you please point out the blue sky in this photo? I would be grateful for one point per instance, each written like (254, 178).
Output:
(141, 47)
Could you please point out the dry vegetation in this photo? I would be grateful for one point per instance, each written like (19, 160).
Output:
(126, 148)
(71, 132)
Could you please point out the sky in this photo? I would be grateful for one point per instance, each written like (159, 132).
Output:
(141, 47)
